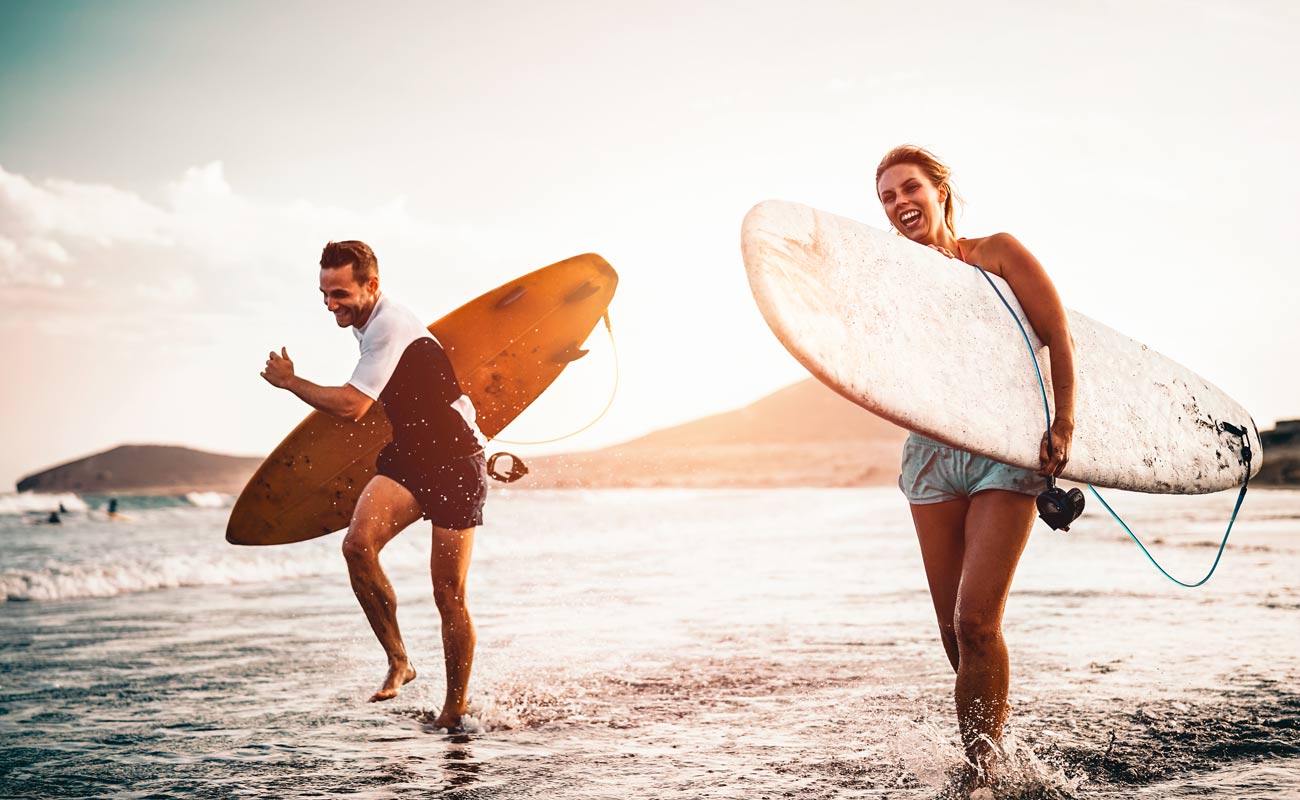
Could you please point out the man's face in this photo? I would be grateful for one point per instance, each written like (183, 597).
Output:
(350, 302)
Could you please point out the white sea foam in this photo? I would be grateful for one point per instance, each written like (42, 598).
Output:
(930, 752)
(209, 499)
(518, 702)
(29, 502)
(73, 581)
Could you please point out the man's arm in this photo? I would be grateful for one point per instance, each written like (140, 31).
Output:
(344, 401)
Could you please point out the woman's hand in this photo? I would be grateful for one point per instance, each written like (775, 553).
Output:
(943, 250)
(1052, 462)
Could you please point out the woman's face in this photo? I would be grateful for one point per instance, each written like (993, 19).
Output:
(912, 203)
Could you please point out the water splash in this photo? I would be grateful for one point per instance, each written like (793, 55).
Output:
(934, 757)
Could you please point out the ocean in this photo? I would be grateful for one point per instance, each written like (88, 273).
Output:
(643, 644)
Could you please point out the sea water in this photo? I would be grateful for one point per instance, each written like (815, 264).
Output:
(643, 644)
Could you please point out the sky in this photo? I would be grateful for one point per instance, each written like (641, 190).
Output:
(170, 171)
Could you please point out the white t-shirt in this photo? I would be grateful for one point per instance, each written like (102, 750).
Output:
(404, 367)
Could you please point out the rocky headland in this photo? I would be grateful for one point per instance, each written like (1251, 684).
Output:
(802, 435)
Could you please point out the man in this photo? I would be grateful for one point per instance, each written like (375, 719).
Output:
(433, 469)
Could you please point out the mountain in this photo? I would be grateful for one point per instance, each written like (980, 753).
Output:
(1281, 455)
(145, 469)
(802, 435)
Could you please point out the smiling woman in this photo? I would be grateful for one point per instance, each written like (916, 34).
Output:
(926, 182)
(972, 514)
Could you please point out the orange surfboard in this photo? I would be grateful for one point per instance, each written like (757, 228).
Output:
(506, 348)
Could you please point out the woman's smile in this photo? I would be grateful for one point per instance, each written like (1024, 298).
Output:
(910, 220)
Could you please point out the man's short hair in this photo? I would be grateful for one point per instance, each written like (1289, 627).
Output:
(358, 254)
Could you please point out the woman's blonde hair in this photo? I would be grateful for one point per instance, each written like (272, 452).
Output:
(937, 171)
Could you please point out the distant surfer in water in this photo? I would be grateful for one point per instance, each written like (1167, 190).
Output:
(434, 468)
(973, 515)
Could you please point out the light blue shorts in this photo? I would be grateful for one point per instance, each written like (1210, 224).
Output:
(934, 472)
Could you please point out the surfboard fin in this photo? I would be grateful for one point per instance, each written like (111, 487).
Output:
(582, 292)
(512, 296)
(569, 354)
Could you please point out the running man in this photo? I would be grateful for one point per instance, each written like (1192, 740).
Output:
(434, 468)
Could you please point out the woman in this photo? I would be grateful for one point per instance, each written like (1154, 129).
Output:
(973, 515)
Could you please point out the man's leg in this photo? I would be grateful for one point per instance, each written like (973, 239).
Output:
(449, 565)
(385, 508)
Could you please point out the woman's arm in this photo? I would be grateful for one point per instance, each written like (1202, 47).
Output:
(1042, 305)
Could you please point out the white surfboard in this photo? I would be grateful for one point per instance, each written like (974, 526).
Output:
(923, 341)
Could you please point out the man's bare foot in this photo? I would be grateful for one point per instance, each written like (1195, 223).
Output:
(398, 676)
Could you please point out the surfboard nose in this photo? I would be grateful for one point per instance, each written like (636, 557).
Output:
(758, 223)
(604, 275)
(774, 232)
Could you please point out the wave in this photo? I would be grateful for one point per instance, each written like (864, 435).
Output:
(209, 499)
(80, 581)
(30, 502)
(36, 502)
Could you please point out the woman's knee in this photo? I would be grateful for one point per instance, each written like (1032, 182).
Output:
(948, 630)
(977, 632)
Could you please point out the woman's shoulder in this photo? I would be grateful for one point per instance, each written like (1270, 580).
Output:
(992, 252)
(996, 241)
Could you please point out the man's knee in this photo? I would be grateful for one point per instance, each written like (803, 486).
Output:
(449, 595)
(358, 549)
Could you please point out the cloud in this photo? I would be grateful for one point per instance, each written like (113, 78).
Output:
(20, 263)
(38, 224)
(232, 231)
(201, 236)
(41, 220)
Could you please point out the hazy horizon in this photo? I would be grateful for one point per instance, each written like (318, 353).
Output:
(168, 175)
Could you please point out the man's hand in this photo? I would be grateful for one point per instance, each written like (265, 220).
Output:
(346, 401)
(279, 369)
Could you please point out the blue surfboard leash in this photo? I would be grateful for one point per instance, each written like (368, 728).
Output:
(1223, 426)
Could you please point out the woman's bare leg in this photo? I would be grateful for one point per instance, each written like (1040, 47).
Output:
(997, 528)
(941, 531)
